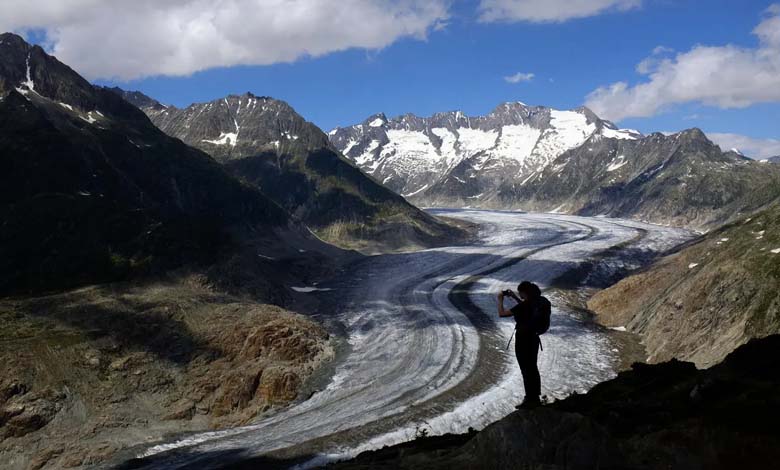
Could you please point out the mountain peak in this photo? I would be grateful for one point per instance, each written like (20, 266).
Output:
(138, 99)
(694, 134)
(234, 126)
(376, 120)
(13, 39)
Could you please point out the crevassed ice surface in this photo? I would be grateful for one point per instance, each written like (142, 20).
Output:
(412, 350)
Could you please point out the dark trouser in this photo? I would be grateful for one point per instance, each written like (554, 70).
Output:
(527, 350)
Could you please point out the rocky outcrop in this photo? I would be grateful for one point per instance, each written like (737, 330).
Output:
(663, 416)
(90, 372)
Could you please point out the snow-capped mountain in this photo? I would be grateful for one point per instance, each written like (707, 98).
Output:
(265, 142)
(236, 126)
(542, 159)
(414, 155)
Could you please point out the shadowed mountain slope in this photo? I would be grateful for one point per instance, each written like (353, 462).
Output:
(93, 191)
(266, 143)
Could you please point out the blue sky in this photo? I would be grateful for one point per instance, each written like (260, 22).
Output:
(463, 60)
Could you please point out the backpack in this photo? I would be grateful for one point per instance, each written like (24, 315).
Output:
(541, 315)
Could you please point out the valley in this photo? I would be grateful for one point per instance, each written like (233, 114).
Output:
(425, 348)
(193, 276)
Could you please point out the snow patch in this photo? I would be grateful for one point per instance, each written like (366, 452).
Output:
(618, 328)
(517, 142)
(571, 128)
(473, 141)
(366, 157)
(225, 138)
(376, 122)
(618, 162)
(692, 265)
(558, 210)
(624, 134)
(416, 192)
(29, 83)
(310, 289)
(349, 146)
(776, 250)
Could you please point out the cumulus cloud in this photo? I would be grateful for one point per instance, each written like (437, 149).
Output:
(754, 148)
(726, 77)
(548, 11)
(519, 77)
(139, 38)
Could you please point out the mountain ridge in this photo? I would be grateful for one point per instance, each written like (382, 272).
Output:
(541, 159)
(93, 191)
(266, 143)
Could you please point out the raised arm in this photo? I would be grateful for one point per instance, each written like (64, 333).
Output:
(502, 312)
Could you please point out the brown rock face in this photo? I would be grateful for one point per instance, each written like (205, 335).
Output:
(142, 361)
(279, 386)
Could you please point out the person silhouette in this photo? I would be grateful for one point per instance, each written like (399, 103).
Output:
(532, 318)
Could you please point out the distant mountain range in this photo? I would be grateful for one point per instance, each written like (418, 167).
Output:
(264, 142)
(541, 159)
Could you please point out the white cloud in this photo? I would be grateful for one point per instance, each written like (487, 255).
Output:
(651, 63)
(548, 11)
(726, 77)
(519, 77)
(754, 148)
(134, 39)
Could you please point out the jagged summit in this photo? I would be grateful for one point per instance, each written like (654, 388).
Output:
(543, 159)
(236, 126)
(416, 155)
(265, 142)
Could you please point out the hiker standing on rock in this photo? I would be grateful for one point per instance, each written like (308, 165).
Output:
(532, 318)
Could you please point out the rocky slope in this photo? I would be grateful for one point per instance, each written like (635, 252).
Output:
(92, 191)
(93, 371)
(264, 142)
(536, 158)
(184, 329)
(663, 416)
(704, 300)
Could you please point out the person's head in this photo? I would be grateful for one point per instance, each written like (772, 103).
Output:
(528, 290)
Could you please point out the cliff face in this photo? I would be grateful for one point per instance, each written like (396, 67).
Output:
(701, 302)
(660, 416)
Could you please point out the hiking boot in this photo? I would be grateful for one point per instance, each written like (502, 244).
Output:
(529, 403)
